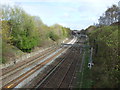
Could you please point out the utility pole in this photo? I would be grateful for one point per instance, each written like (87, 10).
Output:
(90, 64)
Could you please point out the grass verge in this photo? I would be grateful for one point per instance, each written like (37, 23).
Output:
(84, 77)
(86, 81)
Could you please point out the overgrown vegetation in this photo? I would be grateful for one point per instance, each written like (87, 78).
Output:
(26, 32)
(86, 81)
(84, 75)
(106, 70)
(104, 39)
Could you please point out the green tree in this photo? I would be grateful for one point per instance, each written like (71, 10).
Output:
(53, 36)
(23, 29)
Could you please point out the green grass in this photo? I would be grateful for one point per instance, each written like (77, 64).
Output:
(105, 43)
(86, 81)
(84, 77)
(86, 73)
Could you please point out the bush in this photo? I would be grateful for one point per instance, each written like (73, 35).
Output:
(105, 43)
(53, 36)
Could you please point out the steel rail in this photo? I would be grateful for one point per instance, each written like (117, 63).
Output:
(23, 77)
(11, 72)
(4, 73)
(51, 71)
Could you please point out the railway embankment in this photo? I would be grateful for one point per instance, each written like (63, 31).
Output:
(23, 57)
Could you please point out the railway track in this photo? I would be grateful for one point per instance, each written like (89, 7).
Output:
(5, 71)
(70, 73)
(75, 81)
(31, 61)
(6, 78)
(50, 68)
(13, 83)
(61, 76)
(46, 52)
(16, 81)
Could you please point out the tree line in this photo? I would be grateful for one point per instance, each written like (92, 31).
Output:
(104, 40)
(25, 31)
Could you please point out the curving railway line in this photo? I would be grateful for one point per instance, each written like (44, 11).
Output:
(39, 62)
(27, 63)
(16, 71)
(16, 81)
(63, 73)
(6, 71)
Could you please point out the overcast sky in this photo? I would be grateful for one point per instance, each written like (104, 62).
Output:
(75, 14)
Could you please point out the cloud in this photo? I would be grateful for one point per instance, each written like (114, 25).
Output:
(81, 1)
(7, 2)
(65, 15)
(76, 14)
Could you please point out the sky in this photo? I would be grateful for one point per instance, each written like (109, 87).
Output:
(74, 14)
